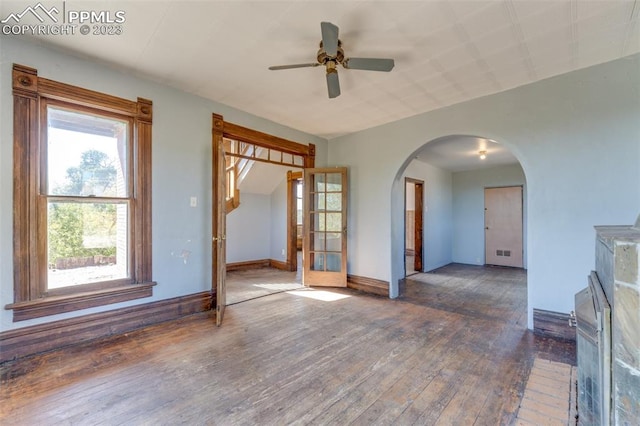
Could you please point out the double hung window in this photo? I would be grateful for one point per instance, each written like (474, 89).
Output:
(82, 197)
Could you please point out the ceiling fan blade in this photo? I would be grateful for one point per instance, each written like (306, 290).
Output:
(333, 84)
(288, 67)
(369, 64)
(329, 38)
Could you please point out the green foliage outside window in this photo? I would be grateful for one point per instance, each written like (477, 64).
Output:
(84, 229)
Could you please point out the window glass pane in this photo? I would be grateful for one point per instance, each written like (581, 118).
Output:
(334, 182)
(334, 202)
(87, 242)
(317, 262)
(86, 154)
(334, 222)
(318, 241)
(299, 211)
(319, 182)
(319, 201)
(334, 241)
(334, 263)
(318, 221)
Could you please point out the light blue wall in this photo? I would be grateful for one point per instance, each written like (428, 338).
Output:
(437, 214)
(577, 137)
(181, 169)
(278, 226)
(468, 210)
(248, 229)
(257, 229)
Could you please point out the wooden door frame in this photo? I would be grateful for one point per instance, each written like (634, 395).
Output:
(223, 129)
(418, 229)
(219, 221)
(292, 219)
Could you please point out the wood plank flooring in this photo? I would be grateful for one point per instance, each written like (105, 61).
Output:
(250, 284)
(454, 350)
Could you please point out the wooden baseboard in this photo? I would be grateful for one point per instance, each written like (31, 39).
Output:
(257, 264)
(279, 265)
(250, 264)
(57, 334)
(368, 285)
(553, 324)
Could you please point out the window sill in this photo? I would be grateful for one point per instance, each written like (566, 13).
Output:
(73, 302)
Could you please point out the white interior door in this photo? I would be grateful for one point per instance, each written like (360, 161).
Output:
(503, 226)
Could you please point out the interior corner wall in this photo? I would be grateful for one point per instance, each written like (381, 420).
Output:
(576, 136)
(181, 163)
(468, 210)
(249, 229)
(437, 213)
(278, 228)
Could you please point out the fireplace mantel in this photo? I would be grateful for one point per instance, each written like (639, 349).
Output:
(617, 260)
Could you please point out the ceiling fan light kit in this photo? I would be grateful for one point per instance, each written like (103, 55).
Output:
(331, 54)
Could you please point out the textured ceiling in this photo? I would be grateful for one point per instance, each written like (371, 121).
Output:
(445, 51)
(462, 153)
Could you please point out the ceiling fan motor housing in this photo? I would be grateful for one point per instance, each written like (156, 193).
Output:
(323, 58)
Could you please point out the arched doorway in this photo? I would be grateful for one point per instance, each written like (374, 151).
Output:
(455, 179)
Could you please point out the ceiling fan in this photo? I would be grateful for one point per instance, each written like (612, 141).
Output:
(331, 54)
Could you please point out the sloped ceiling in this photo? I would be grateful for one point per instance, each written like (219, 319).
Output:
(263, 178)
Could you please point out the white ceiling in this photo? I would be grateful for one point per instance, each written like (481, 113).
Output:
(446, 51)
(462, 153)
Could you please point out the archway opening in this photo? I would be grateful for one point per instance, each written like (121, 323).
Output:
(456, 183)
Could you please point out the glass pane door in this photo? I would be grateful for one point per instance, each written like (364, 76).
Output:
(325, 227)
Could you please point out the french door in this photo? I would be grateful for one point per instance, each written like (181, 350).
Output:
(325, 227)
(219, 225)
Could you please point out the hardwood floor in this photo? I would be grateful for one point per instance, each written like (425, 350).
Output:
(454, 350)
(249, 284)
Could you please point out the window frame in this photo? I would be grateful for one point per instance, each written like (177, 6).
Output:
(31, 96)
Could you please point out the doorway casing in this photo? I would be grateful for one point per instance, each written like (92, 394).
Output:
(415, 229)
(224, 130)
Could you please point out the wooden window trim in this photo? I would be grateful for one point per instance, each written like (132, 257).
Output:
(29, 249)
(88, 299)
